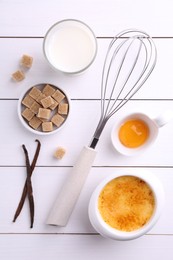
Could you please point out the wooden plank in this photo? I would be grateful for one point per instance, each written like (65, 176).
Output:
(47, 182)
(78, 132)
(30, 20)
(88, 247)
(83, 86)
(106, 17)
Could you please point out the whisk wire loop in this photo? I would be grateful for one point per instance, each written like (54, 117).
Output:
(141, 78)
(108, 112)
(104, 85)
(129, 61)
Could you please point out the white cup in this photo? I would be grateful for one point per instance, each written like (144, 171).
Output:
(153, 126)
(109, 232)
(70, 46)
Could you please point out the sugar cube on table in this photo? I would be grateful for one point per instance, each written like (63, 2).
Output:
(48, 90)
(63, 109)
(28, 101)
(34, 93)
(47, 102)
(35, 122)
(18, 75)
(47, 126)
(27, 114)
(57, 120)
(35, 107)
(58, 96)
(44, 113)
(59, 153)
(26, 61)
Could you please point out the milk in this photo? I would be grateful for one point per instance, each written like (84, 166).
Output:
(70, 46)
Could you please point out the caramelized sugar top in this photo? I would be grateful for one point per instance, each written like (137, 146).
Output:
(126, 203)
(133, 133)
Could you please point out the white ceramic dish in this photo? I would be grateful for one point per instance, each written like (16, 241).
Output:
(154, 124)
(70, 46)
(107, 231)
(21, 107)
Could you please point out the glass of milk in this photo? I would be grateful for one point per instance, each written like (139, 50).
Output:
(70, 46)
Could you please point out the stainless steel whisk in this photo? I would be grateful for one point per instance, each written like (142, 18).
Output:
(130, 59)
(145, 49)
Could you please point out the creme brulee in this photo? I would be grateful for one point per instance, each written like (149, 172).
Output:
(126, 203)
(133, 133)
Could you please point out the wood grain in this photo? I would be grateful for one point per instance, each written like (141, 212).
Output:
(23, 26)
(86, 85)
(20, 18)
(89, 247)
(78, 131)
(47, 182)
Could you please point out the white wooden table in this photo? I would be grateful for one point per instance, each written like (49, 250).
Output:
(23, 25)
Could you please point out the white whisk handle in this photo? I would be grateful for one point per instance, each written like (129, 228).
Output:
(70, 191)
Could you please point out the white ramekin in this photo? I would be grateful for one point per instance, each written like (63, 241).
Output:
(109, 232)
(154, 125)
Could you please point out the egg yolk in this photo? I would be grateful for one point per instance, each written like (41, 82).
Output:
(133, 133)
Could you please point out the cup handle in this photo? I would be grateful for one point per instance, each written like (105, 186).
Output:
(163, 118)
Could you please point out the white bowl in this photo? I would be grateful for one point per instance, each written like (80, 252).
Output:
(153, 133)
(21, 107)
(70, 46)
(106, 230)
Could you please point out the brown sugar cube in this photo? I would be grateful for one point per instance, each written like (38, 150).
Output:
(40, 97)
(18, 75)
(26, 61)
(59, 153)
(35, 107)
(28, 101)
(47, 126)
(48, 90)
(47, 102)
(58, 96)
(63, 109)
(57, 120)
(34, 93)
(43, 119)
(27, 114)
(35, 122)
(54, 105)
(44, 113)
